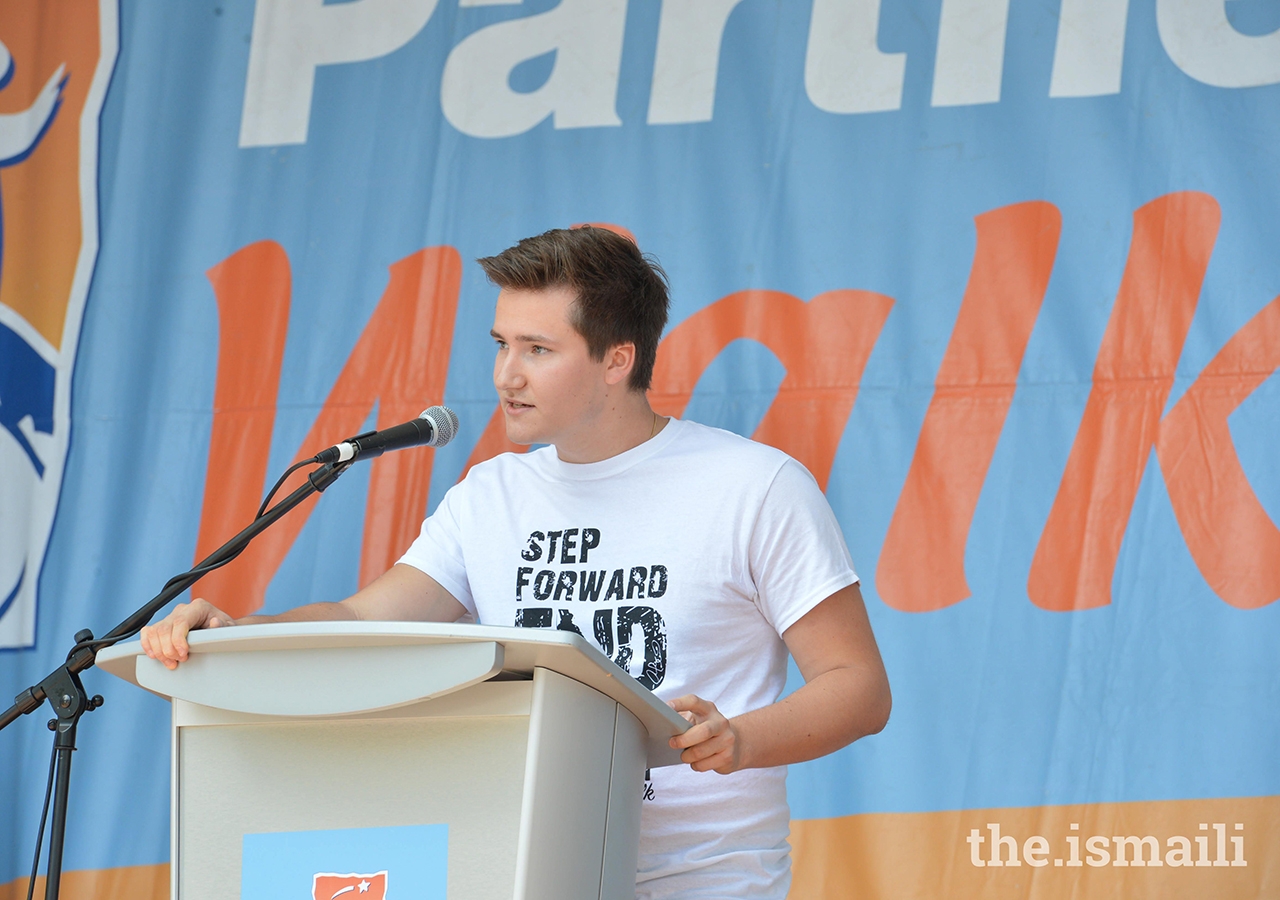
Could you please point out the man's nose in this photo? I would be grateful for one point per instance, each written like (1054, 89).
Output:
(507, 374)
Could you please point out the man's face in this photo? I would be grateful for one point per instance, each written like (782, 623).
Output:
(551, 390)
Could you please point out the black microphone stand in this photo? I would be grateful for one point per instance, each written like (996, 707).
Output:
(66, 694)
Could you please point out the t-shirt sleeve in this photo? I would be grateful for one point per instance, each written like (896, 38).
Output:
(798, 555)
(438, 549)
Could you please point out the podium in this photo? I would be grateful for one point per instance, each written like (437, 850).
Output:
(413, 760)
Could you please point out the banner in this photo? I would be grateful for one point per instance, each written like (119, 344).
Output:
(1003, 277)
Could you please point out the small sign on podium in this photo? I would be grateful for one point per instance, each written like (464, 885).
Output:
(408, 862)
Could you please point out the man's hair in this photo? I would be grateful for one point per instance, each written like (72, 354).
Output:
(621, 293)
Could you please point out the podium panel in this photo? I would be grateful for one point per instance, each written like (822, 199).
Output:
(446, 762)
(412, 769)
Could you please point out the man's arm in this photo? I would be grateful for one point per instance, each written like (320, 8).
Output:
(402, 593)
(845, 696)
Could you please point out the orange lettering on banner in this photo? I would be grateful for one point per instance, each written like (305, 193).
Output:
(409, 364)
(1173, 237)
(1231, 538)
(252, 287)
(921, 565)
(824, 345)
(400, 362)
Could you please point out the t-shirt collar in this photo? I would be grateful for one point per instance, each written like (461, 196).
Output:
(554, 467)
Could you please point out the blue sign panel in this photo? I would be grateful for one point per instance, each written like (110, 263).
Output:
(409, 862)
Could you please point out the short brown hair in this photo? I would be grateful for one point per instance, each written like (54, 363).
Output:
(621, 293)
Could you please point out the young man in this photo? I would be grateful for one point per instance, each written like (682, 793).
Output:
(695, 558)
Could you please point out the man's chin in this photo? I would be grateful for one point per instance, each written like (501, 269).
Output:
(522, 436)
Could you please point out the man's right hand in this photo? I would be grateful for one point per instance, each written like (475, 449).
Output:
(401, 594)
(166, 640)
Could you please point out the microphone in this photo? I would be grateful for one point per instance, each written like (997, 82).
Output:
(435, 427)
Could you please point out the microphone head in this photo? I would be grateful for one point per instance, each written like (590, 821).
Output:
(444, 425)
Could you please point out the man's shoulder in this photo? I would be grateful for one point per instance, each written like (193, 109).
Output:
(717, 447)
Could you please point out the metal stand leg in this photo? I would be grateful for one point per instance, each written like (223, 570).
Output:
(64, 743)
(66, 694)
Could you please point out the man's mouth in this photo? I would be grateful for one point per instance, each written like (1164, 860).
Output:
(516, 404)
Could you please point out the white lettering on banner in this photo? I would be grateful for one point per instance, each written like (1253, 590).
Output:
(844, 69)
(687, 60)
(1201, 42)
(586, 37)
(293, 37)
(1089, 55)
(970, 61)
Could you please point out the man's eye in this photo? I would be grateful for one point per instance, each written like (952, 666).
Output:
(540, 350)
(502, 345)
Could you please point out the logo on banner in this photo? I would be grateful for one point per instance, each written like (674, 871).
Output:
(55, 62)
(328, 886)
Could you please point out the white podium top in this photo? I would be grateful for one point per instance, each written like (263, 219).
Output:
(276, 669)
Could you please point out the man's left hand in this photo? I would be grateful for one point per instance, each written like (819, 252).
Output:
(711, 744)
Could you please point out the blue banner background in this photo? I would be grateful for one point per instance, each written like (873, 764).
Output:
(1166, 693)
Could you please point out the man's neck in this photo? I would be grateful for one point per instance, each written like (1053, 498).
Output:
(624, 424)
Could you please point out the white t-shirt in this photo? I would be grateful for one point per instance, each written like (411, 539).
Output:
(684, 559)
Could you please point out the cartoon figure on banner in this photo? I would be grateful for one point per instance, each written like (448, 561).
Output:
(20, 132)
(55, 61)
(26, 379)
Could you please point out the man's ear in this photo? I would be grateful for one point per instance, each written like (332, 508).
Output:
(619, 360)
